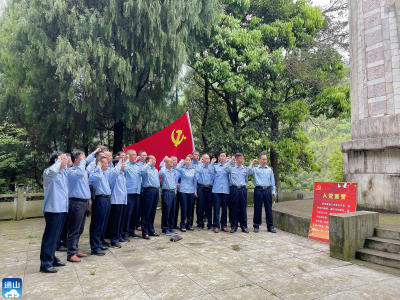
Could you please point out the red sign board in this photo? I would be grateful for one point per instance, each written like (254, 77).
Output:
(330, 198)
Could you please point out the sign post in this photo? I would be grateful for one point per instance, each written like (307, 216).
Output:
(330, 197)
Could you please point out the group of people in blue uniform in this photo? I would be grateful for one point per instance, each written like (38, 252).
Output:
(122, 193)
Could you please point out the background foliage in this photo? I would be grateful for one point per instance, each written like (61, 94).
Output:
(259, 75)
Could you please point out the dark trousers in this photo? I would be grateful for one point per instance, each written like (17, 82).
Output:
(177, 210)
(149, 208)
(108, 210)
(238, 207)
(196, 204)
(168, 200)
(98, 225)
(220, 201)
(205, 206)
(51, 235)
(76, 223)
(131, 214)
(139, 215)
(187, 203)
(62, 241)
(113, 231)
(263, 196)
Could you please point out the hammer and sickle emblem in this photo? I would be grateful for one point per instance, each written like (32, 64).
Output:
(318, 188)
(178, 139)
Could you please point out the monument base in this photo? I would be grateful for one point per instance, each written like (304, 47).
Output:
(372, 159)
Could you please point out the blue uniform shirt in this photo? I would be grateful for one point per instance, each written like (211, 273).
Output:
(91, 167)
(178, 175)
(188, 179)
(55, 189)
(118, 185)
(221, 179)
(194, 165)
(169, 178)
(78, 181)
(133, 177)
(204, 175)
(150, 176)
(238, 176)
(65, 172)
(90, 157)
(263, 176)
(99, 182)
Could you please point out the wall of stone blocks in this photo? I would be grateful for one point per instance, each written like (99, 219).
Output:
(376, 55)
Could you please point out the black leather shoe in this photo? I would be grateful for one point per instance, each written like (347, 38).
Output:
(125, 240)
(134, 235)
(99, 253)
(107, 244)
(272, 230)
(245, 230)
(233, 230)
(59, 264)
(146, 237)
(190, 228)
(48, 270)
(182, 229)
(256, 229)
(154, 234)
(116, 245)
(62, 249)
(104, 248)
(175, 227)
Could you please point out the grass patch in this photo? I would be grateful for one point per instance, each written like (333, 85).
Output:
(93, 272)
(246, 284)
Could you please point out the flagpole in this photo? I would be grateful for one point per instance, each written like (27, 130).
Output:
(190, 126)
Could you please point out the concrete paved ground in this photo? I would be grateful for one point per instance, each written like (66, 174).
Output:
(204, 265)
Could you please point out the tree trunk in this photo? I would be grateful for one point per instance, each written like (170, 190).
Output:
(85, 145)
(205, 114)
(118, 136)
(273, 154)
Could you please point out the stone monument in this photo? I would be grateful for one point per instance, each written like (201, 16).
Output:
(372, 157)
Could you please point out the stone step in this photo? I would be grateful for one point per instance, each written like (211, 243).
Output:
(383, 244)
(379, 257)
(388, 234)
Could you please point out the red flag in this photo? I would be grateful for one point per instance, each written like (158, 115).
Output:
(174, 140)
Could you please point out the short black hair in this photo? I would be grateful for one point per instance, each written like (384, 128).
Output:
(115, 161)
(102, 147)
(147, 159)
(68, 154)
(100, 158)
(75, 154)
(140, 152)
(261, 154)
(119, 153)
(195, 151)
(221, 153)
(54, 156)
(96, 155)
(236, 155)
